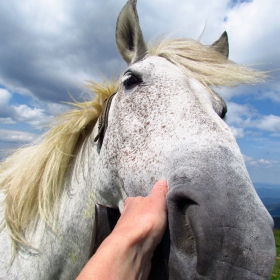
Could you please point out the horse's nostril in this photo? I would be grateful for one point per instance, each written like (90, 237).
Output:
(184, 203)
(182, 235)
(178, 198)
(183, 251)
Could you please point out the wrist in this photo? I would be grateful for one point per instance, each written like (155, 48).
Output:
(126, 256)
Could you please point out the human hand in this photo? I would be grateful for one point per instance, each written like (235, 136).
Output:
(127, 252)
(143, 220)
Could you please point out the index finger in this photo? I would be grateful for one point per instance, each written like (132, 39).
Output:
(160, 189)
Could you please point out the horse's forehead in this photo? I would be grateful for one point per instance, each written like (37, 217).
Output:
(156, 70)
(154, 65)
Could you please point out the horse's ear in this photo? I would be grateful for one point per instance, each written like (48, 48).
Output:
(130, 41)
(221, 45)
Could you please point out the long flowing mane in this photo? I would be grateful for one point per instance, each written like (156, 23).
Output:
(32, 178)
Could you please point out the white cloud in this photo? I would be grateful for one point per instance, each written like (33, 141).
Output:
(253, 27)
(32, 116)
(11, 114)
(250, 161)
(267, 162)
(269, 123)
(5, 97)
(247, 158)
(48, 15)
(237, 132)
(275, 134)
(245, 116)
(273, 95)
(56, 108)
(15, 136)
(7, 121)
(240, 114)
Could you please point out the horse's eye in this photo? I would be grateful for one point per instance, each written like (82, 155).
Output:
(130, 80)
(224, 112)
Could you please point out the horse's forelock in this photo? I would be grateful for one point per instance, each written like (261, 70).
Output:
(204, 63)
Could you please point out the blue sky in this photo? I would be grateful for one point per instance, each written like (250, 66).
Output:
(50, 47)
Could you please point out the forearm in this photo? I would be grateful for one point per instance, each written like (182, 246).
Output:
(117, 258)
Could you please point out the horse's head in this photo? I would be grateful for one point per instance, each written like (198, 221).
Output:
(166, 123)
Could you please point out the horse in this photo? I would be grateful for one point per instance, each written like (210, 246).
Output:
(162, 120)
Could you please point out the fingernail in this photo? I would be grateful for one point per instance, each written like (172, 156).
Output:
(162, 183)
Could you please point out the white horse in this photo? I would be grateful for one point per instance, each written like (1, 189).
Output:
(164, 122)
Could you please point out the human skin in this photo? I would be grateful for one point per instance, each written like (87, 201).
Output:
(127, 252)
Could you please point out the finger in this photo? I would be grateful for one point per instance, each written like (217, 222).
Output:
(127, 201)
(160, 189)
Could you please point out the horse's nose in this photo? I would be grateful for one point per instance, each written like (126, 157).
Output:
(217, 230)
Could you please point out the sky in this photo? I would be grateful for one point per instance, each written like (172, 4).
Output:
(49, 48)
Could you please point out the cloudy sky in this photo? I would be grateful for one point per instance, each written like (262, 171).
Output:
(50, 47)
